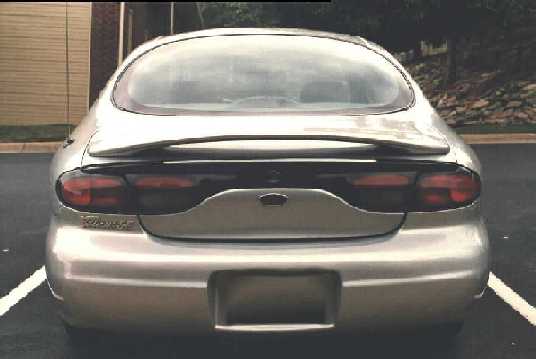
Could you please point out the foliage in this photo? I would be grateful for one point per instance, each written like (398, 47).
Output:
(398, 25)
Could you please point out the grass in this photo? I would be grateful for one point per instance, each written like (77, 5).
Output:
(33, 133)
(45, 133)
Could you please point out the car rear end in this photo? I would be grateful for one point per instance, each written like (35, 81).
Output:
(192, 247)
(270, 223)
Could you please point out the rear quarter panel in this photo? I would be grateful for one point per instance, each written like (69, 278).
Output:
(69, 156)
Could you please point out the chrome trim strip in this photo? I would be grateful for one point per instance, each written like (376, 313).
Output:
(274, 327)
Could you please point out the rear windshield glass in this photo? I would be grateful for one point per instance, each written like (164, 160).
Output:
(261, 73)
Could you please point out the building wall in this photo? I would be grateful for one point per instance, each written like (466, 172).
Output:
(33, 62)
(104, 42)
(142, 21)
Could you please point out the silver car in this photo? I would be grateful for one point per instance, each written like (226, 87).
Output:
(264, 180)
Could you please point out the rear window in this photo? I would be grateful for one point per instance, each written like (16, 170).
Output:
(261, 73)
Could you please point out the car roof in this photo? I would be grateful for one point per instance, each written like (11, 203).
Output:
(258, 31)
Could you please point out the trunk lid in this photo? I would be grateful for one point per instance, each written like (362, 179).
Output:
(240, 215)
(269, 200)
(300, 164)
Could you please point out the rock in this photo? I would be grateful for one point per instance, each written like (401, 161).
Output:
(480, 104)
(463, 89)
(522, 115)
(496, 106)
(446, 102)
(497, 116)
(497, 121)
(514, 104)
(471, 123)
(532, 116)
(451, 121)
(471, 114)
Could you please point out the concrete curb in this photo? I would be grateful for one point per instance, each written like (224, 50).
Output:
(472, 139)
(499, 138)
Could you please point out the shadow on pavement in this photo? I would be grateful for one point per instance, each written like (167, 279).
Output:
(266, 346)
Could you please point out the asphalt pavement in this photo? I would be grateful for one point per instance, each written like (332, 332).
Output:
(31, 329)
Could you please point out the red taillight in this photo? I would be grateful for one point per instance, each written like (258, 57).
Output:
(399, 192)
(76, 191)
(92, 191)
(383, 180)
(424, 188)
(166, 193)
(162, 182)
(447, 190)
(382, 191)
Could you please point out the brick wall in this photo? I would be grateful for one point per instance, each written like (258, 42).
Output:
(104, 43)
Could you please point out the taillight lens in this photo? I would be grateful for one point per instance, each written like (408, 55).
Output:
(384, 180)
(132, 194)
(165, 193)
(409, 192)
(93, 192)
(437, 191)
(382, 192)
(162, 182)
(421, 189)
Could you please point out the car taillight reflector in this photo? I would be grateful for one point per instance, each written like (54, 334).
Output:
(381, 191)
(415, 189)
(382, 180)
(86, 191)
(447, 190)
(162, 182)
(399, 192)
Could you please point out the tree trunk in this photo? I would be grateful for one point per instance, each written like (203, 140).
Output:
(417, 50)
(452, 52)
(187, 17)
(519, 58)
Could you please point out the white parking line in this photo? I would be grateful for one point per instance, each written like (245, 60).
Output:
(513, 299)
(22, 290)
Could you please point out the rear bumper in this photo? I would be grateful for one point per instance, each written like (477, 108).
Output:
(427, 272)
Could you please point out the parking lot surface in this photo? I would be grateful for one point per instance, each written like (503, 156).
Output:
(30, 327)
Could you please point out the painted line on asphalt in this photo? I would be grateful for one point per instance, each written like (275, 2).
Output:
(23, 289)
(513, 299)
(504, 292)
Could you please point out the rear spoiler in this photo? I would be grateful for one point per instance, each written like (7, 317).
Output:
(413, 146)
(135, 133)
